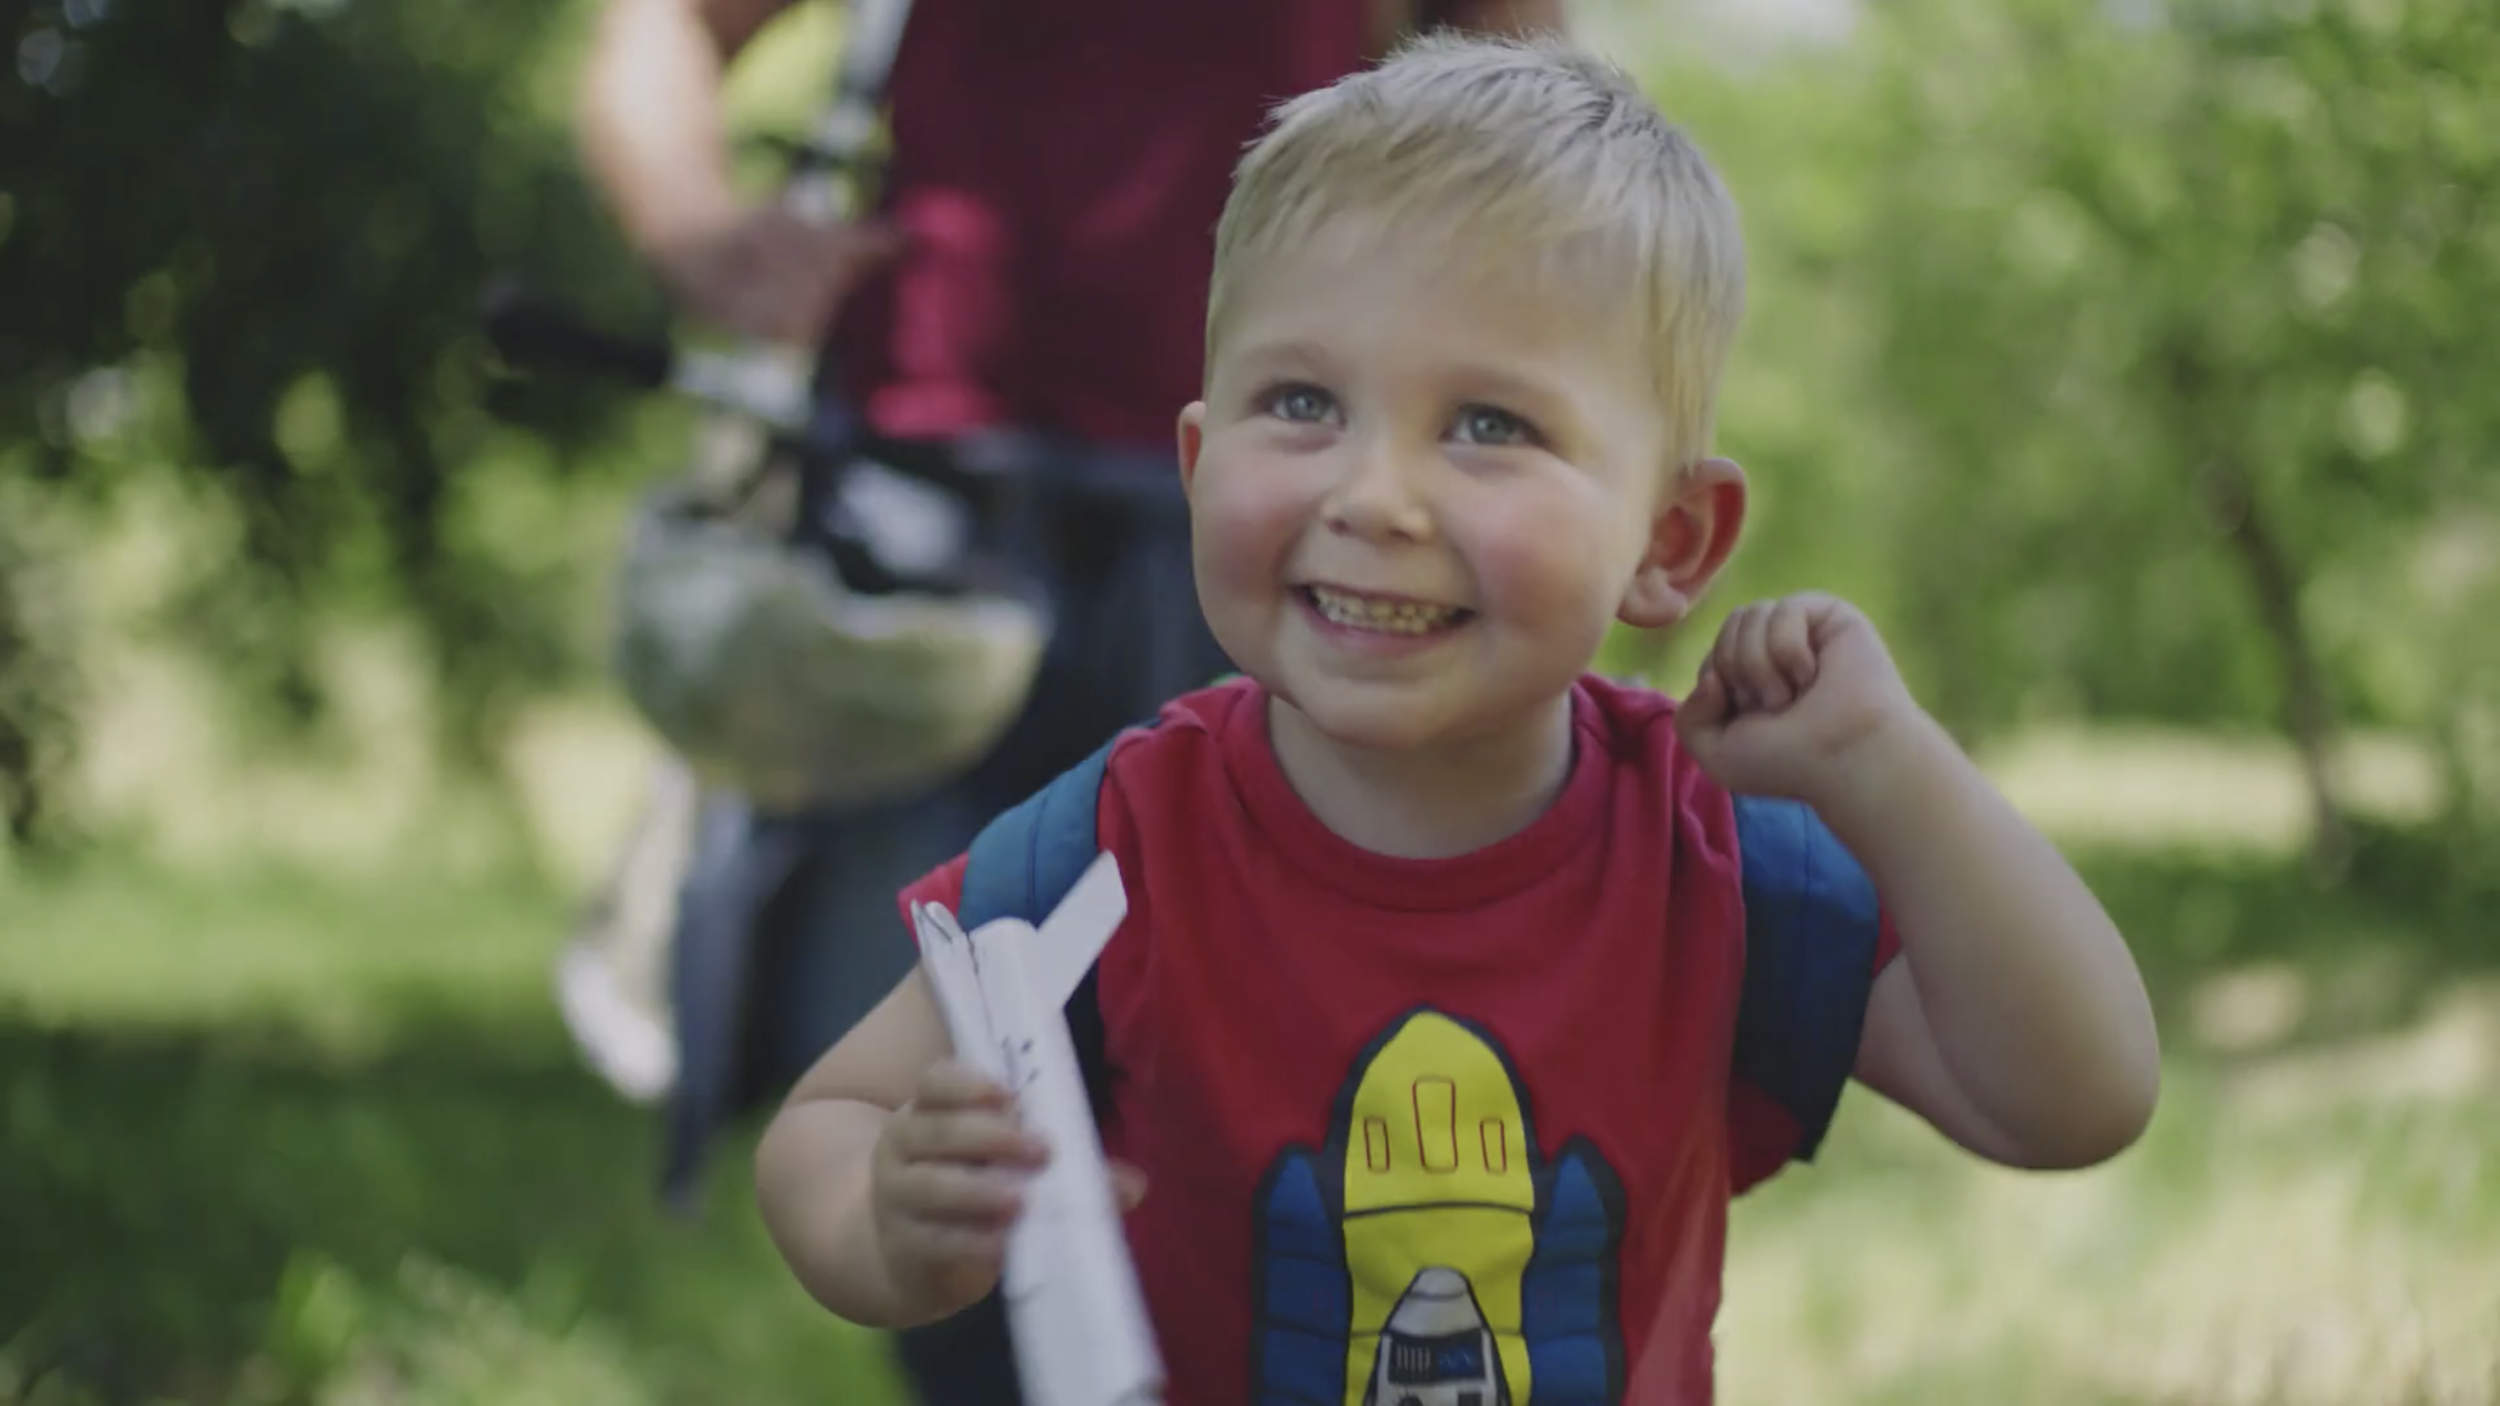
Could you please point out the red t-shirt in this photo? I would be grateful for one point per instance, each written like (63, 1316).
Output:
(1061, 165)
(1443, 1122)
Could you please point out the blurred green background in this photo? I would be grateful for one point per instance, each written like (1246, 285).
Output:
(2136, 365)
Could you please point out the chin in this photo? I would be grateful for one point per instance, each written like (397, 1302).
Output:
(1372, 719)
(1371, 729)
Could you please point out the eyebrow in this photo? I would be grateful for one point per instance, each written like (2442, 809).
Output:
(1486, 379)
(1268, 356)
(1493, 381)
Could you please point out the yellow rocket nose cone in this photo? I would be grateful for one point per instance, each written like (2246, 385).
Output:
(1437, 1119)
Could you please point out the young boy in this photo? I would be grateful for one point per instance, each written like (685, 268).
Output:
(1460, 989)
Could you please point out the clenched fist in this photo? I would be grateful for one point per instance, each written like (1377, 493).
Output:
(1794, 692)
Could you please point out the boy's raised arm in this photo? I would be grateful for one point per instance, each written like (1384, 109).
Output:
(2014, 1019)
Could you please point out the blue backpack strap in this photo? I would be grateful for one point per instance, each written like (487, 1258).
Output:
(1025, 861)
(1811, 929)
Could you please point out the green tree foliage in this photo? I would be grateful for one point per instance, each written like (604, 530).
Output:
(2127, 359)
(2151, 346)
(248, 238)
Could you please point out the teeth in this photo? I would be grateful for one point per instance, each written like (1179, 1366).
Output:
(1393, 617)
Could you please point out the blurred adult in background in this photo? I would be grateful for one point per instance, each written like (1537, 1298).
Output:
(1035, 271)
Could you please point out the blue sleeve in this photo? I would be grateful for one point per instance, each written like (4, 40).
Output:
(1812, 929)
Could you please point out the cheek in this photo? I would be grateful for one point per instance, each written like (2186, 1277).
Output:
(1246, 521)
(1547, 562)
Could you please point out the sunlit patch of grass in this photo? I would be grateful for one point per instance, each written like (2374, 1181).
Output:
(2168, 789)
(2351, 1256)
(339, 964)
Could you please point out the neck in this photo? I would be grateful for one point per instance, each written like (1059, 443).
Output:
(1426, 803)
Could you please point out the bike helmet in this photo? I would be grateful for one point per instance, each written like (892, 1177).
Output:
(808, 669)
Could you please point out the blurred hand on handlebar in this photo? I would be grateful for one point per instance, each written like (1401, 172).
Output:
(767, 273)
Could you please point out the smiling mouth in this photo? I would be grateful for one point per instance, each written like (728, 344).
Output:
(1385, 614)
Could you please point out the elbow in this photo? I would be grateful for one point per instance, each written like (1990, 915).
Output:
(2096, 1129)
(783, 1205)
(2124, 1105)
(2109, 1104)
(813, 1209)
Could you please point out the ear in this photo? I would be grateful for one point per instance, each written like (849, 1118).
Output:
(1193, 437)
(1690, 538)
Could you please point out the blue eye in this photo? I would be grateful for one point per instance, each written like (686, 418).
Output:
(1302, 404)
(1483, 424)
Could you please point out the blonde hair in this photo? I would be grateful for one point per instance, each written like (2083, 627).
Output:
(1528, 152)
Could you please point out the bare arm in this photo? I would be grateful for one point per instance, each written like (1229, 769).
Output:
(649, 113)
(650, 120)
(2014, 1020)
(813, 1169)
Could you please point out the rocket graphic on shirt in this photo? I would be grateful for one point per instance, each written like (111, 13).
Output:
(1426, 1254)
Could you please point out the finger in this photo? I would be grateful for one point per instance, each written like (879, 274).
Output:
(981, 1137)
(952, 1084)
(1759, 688)
(941, 1193)
(1830, 619)
(1724, 664)
(936, 1250)
(1706, 707)
(1128, 1184)
(1789, 638)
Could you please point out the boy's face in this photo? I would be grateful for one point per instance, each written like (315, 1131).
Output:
(1418, 501)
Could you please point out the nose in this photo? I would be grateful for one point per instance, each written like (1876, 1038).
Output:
(1380, 495)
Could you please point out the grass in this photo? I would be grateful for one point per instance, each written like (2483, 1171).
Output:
(271, 1138)
(268, 1136)
(2338, 1254)
(2314, 1216)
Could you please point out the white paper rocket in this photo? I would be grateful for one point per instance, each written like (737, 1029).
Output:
(1079, 1320)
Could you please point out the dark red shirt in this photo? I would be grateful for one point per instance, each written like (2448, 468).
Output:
(1451, 1122)
(1061, 165)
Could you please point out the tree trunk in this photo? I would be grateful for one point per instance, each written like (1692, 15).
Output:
(2230, 499)
(37, 724)
(2308, 714)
